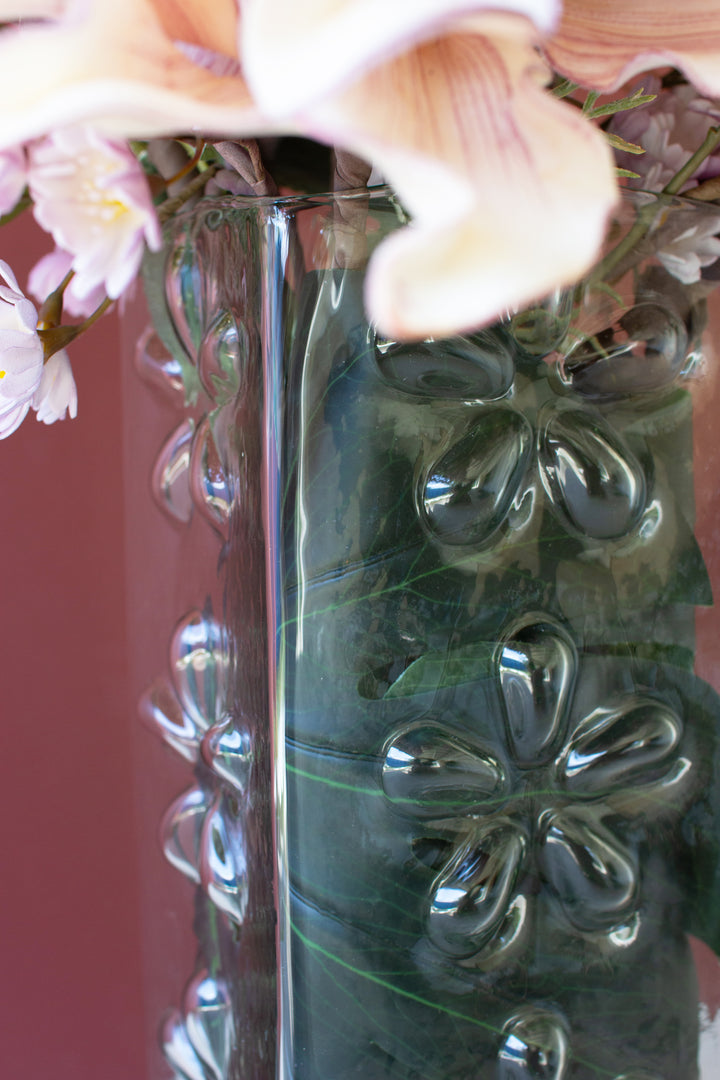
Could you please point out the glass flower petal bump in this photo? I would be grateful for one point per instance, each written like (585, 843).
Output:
(546, 826)
(479, 367)
(161, 711)
(591, 475)
(181, 830)
(537, 667)
(209, 1021)
(223, 862)
(178, 1050)
(228, 751)
(208, 484)
(169, 482)
(468, 492)
(198, 664)
(535, 1047)
(432, 773)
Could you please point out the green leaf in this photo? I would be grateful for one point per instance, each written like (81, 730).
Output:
(590, 101)
(438, 670)
(632, 101)
(564, 88)
(618, 143)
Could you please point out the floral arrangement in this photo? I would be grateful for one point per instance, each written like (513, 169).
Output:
(503, 126)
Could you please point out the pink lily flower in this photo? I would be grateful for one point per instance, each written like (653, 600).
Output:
(122, 68)
(509, 189)
(602, 45)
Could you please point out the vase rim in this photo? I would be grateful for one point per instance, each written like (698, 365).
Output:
(244, 202)
(685, 199)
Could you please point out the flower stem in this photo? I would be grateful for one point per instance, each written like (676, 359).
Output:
(22, 204)
(171, 206)
(55, 338)
(709, 143)
(189, 166)
(648, 214)
(50, 314)
(97, 313)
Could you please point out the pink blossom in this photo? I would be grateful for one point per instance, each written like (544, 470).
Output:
(21, 353)
(669, 129)
(56, 395)
(47, 274)
(13, 177)
(91, 194)
(688, 243)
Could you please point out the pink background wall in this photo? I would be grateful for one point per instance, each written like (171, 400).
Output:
(70, 977)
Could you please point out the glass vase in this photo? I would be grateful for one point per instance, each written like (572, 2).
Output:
(441, 684)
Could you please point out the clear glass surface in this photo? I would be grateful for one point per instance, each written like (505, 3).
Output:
(446, 699)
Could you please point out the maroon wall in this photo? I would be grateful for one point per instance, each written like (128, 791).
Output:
(70, 996)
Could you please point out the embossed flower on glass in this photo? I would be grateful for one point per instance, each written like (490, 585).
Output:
(484, 476)
(553, 409)
(540, 816)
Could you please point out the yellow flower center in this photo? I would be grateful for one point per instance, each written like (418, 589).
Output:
(3, 374)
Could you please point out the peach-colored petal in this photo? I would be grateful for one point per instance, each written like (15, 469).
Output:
(213, 25)
(509, 188)
(602, 44)
(31, 9)
(294, 51)
(114, 66)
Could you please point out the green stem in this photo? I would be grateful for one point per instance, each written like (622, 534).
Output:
(629, 241)
(648, 213)
(50, 314)
(710, 143)
(59, 337)
(99, 310)
(22, 204)
(171, 206)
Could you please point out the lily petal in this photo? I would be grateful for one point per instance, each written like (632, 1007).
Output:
(296, 52)
(24, 10)
(31, 9)
(509, 188)
(604, 44)
(95, 65)
(212, 26)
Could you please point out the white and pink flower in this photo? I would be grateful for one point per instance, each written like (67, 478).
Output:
(47, 274)
(91, 194)
(669, 129)
(56, 395)
(21, 353)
